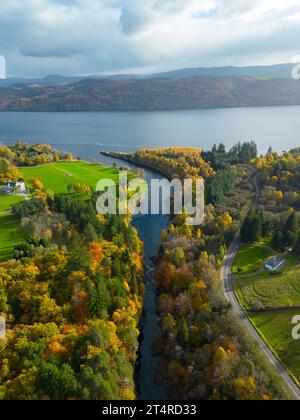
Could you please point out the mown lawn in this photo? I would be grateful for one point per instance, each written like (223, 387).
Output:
(56, 177)
(7, 201)
(276, 329)
(282, 289)
(277, 293)
(251, 258)
(11, 235)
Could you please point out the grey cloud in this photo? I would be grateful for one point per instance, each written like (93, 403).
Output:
(171, 6)
(134, 15)
(99, 36)
(283, 39)
(237, 7)
(45, 52)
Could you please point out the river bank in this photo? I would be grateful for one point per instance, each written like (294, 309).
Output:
(127, 158)
(150, 228)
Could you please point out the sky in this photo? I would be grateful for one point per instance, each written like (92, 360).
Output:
(85, 37)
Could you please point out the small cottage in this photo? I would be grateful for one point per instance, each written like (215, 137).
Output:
(273, 265)
(13, 187)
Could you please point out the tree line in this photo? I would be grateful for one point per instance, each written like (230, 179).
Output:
(72, 298)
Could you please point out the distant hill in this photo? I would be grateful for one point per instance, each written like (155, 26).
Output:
(152, 94)
(51, 80)
(276, 71)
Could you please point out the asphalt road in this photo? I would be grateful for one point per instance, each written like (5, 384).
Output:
(226, 277)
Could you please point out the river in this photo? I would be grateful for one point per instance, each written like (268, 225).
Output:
(150, 228)
(87, 134)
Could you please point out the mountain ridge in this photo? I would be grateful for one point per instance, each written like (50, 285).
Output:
(197, 92)
(271, 71)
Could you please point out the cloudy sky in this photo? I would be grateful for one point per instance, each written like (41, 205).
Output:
(80, 37)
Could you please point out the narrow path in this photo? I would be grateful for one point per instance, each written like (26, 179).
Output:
(227, 279)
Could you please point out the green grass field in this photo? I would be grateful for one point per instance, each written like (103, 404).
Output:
(7, 201)
(11, 234)
(56, 177)
(250, 258)
(276, 329)
(279, 290)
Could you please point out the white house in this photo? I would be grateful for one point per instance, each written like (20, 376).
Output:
(14, 187)
(20, 186)
(2, 328)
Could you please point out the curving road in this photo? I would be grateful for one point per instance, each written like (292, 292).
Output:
(227, 279)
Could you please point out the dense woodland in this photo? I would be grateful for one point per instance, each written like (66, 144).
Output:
(72, 297)
(24, 154)
(157, 93)
(73, 293)
(277, 216)
(204, 353)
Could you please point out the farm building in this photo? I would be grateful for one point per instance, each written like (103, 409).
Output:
(274, 264)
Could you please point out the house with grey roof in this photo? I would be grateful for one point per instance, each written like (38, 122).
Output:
(13, 187)
(273, 265)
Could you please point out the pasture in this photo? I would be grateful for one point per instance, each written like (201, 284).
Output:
(11, 235)
(276, 330)
(271, 290)
(56, 177)
(7, 201)
(251, 258)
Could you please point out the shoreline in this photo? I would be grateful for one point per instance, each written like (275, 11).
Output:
(150, 263)
(126, 158)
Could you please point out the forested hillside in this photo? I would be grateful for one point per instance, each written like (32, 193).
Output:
(151, 94)
(24, 154)
(204, 353)
(72, 297)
